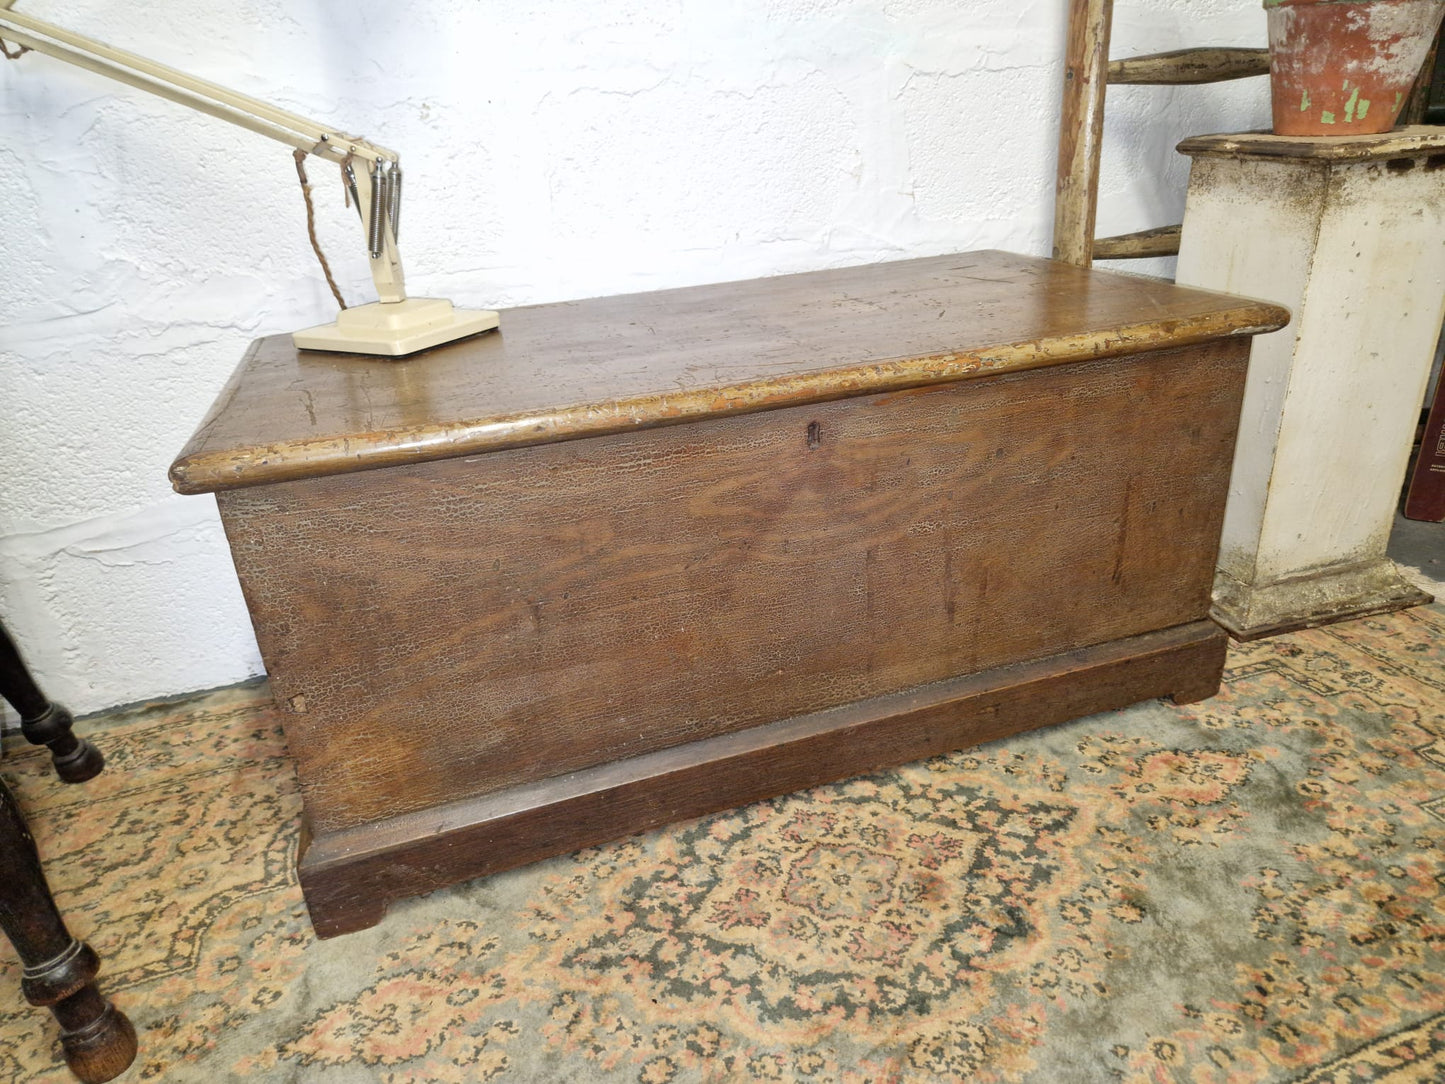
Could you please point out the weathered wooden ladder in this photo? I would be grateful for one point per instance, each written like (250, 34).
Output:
(1087, 72)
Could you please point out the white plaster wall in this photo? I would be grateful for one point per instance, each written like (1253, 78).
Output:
(553, 151)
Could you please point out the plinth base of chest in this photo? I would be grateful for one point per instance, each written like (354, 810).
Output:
(350, 877)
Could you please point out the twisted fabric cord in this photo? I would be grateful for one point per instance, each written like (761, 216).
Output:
(300, 157)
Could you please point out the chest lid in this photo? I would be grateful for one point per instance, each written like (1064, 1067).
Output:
(605, 365)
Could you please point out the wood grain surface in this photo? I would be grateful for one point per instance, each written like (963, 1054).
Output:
(463, 626)
(606, 365)
(1201, 64)
(1415, 141)
(1159, 241)
(1081, 129)
(351, 876)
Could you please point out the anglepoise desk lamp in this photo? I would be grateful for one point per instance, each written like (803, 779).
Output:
(393, 326)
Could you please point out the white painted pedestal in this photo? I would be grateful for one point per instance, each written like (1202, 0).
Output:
(1349, 233)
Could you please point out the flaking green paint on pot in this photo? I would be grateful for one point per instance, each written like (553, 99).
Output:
(1337, 57)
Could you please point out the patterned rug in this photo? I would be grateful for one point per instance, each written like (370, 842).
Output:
(1247, 889)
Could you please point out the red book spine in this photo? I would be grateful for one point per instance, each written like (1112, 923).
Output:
(1426, 499)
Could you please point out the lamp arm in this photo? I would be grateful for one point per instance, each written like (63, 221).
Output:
(382, 171)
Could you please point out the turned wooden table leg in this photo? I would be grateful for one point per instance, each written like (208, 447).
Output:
(98, 1040)
(44, 722)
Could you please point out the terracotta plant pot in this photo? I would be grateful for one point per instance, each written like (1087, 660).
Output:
(1345, 67)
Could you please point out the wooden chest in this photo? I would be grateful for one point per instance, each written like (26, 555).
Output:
(634, 559)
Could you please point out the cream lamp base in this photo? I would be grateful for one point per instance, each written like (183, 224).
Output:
(396, 328)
